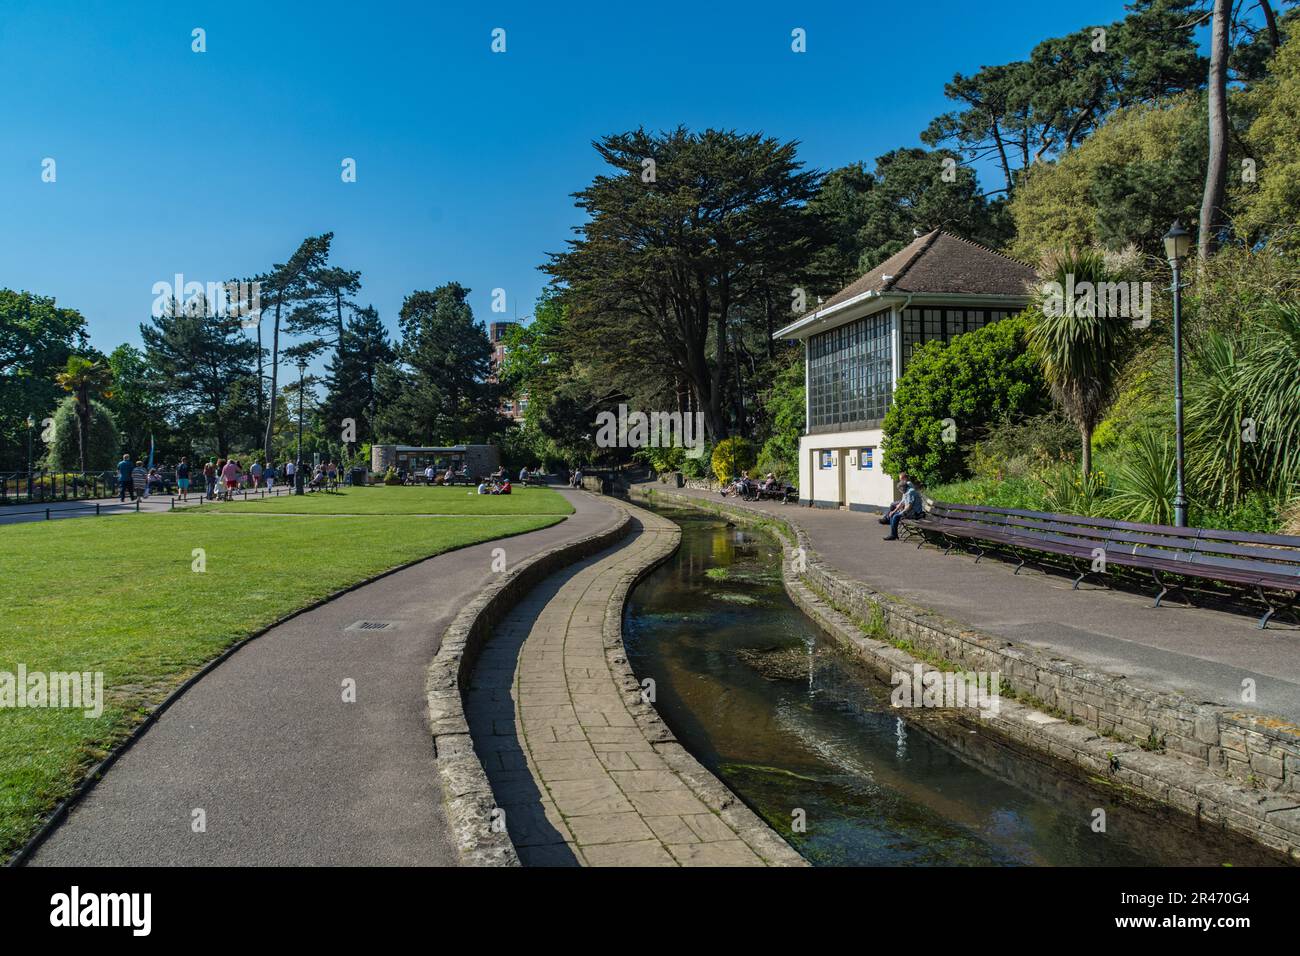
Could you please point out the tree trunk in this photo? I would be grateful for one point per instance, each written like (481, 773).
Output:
(1002, 156)
(1274, 38)
(83, 426)
(1216, 169)
(275, 378)
(1085, 450)
(261, 382)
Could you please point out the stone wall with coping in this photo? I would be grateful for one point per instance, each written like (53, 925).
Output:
(1223, 766)
(466, 792)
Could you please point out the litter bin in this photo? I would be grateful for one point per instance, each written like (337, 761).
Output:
(358, 476)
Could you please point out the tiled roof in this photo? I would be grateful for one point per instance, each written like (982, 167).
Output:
(942, 263)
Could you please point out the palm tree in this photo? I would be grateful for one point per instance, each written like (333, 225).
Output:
(81, 377)
(1081, 353)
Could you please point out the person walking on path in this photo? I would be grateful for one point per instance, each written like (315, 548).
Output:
(210, 478)
(256, 472)
(124, 478)
(230, 475)
(183, 478)
(140, 481)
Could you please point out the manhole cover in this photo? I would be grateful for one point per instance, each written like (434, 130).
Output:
(372, 626)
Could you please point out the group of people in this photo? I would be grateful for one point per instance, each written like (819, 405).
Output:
(747, 487)
(137, 481)
(432, 476)
(494, 485)
(222, 477)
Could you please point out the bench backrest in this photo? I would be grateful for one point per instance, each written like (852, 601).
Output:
(1241, 551)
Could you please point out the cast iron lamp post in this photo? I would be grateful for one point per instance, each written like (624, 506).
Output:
(31, 423)
(1177, 243)
(297, 469)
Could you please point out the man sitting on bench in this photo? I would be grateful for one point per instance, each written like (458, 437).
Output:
(909, 506)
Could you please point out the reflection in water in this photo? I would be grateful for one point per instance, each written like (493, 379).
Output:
(790, 723)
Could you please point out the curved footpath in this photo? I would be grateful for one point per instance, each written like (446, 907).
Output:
(581, 766)
(285, 771)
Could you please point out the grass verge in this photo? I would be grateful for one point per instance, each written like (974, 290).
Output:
(120, 595)
(384, 499)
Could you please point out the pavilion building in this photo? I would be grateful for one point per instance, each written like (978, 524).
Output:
(858, 342)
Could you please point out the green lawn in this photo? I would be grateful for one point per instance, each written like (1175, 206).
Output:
(118, 595)
(383, 499)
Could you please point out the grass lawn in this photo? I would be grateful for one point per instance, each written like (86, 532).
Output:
(387, 499)
(118, 595)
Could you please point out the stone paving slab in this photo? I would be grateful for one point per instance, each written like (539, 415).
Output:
(606, 783)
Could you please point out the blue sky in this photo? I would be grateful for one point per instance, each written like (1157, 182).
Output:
(217, 164)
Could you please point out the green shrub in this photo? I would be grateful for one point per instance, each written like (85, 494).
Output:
(773, 458)
(977, 379)
(1068, 491)
(1145, 482)
(698, 466)
(662, 460)
(1019, 449)
(1023, 493)
(1256, 512)
(391, 477)
(731, 456)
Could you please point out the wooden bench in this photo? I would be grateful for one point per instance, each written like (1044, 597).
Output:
(1265, 564)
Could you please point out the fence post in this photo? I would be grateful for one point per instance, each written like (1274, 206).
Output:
(137, 505)
(47, 514)
(96, 509)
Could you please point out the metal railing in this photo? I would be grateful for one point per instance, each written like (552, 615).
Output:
(199, 498)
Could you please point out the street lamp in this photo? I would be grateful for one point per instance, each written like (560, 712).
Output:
(297, 469)
(1178, 241)
(31, 423)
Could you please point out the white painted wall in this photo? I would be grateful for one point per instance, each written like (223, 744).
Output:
(862, 486)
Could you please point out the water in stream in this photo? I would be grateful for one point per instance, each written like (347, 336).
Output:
(790, 722)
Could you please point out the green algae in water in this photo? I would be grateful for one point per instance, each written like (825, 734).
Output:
(875, 787)
(732, 597)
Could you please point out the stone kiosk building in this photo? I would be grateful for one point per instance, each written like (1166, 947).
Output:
(857, 343)
(481, 460)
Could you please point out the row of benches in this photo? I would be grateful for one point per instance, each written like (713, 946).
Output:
(1180, 559)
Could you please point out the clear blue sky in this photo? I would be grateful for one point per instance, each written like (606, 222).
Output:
(218, 164)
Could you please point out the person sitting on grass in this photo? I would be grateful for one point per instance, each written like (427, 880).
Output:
(908, 506)
(505, 487)
(483, 488)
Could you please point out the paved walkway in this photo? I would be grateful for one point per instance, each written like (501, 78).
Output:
(1202, 653)
(287, 773)
(585, 772)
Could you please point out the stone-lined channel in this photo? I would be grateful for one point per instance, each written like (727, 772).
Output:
(791, 722)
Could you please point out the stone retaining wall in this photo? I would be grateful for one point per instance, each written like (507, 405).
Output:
(1224, 767)
(466, 791)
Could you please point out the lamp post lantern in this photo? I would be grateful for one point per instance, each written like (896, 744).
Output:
(297, 468)
(1178, 241)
